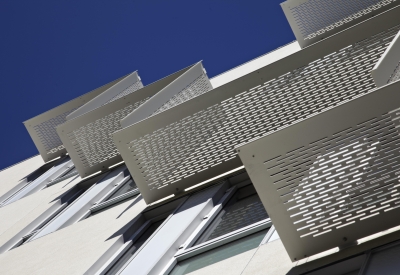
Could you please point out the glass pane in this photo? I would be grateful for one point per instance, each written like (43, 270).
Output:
(384, 262)
(349, 266)
(243, 209)
(219, 254)
(128, 186)
(134, 247)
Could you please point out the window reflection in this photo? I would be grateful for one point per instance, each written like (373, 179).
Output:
(219, 254)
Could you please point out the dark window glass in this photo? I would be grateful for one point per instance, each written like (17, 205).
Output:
(219, 254)
(384, 261)
(243, 209)
(349, 266)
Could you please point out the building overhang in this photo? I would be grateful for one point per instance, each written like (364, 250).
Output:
(157, 150)
(331, 179)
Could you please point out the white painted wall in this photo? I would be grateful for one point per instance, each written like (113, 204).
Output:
(74, 249)
(12, 176)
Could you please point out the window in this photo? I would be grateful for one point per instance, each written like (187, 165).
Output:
(68, 174)
(137, 233)
(25, 181)
(45, 167)
(135, 246)
(82, 194)
(219, 254)
(125, 188)
(123, 191)
(384, 260)
(349, 266)
(29, 232)
(243, 209)
(39, 179)
(237, 223)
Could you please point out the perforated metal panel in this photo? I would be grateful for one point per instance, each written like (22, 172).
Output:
(198, 87)
(333, 178)
(42, 128)
(191, 83)
(125, 86)
(195, 141)
(88, 138)
(134, 87)
(313, 20)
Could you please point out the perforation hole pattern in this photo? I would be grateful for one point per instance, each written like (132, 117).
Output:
(245, 212)
(396, 74)
(341, 179)
(93, 142)
(207, 138)
(316, 17)
(47, 133)
(132, 88)
(198, 87)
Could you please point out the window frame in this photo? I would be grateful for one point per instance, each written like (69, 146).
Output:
(189, 250)
(142, 221)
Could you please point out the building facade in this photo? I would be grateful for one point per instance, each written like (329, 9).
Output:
(287, 164)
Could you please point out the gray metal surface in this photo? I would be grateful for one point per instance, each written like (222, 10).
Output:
(192, 83)
(88, 139)
(331, 179)
(125, 86)
(387, 69)
(42, 128)
(396, 74)
(194, 141)
(313, 20)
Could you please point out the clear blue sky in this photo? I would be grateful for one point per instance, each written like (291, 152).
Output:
(54, 51)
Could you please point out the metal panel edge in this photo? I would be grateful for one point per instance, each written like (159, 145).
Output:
(148, 108)
(104, 97)
(387, 64)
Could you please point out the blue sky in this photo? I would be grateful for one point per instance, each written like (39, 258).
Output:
(54, 51)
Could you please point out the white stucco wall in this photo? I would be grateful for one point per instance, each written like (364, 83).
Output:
(11, 176)
(74, 249)
(16, 216)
